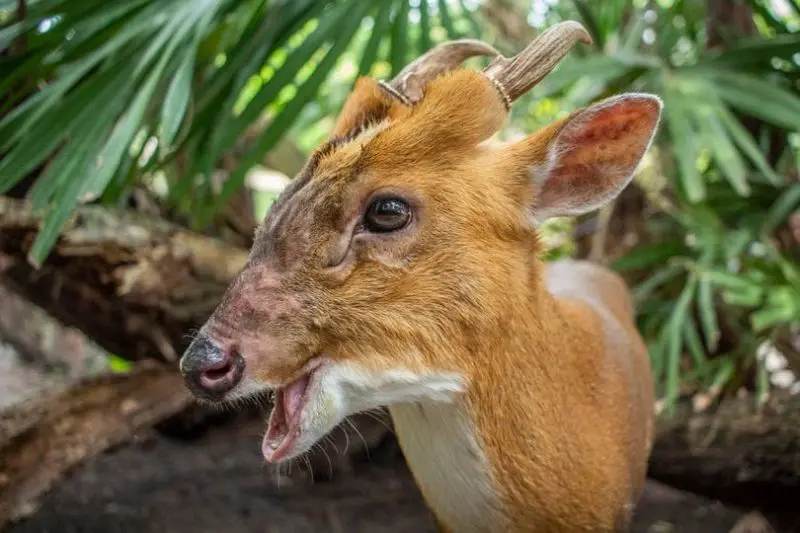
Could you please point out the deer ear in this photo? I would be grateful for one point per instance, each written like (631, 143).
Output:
(591, 156)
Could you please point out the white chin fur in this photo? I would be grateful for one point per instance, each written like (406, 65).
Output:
(339, 390)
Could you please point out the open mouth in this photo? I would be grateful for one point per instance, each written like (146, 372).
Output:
(283, 430)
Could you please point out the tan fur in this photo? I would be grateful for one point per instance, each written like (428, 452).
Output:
(559, 394)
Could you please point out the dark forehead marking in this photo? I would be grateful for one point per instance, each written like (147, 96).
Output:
(273, 239)
(305, 176)
(368, 116)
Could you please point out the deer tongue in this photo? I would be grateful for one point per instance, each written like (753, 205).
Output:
(284, 422)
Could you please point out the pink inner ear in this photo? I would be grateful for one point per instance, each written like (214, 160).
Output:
(595, 154)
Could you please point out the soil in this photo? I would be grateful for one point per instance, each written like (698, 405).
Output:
(218, 482)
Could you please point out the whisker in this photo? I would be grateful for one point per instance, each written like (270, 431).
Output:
(380, 419)
(330, 464)
(329, 440)
(346, 439)
(310, 468)
(360, 435)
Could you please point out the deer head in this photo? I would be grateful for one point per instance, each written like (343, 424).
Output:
(406, 237)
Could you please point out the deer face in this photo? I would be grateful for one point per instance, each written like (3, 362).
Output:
(405, 236)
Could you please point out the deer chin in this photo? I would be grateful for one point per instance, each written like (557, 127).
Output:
(293, 426)
(312, 405)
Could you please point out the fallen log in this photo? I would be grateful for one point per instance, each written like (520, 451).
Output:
(42, 440)
(137, 285)
(737, 452)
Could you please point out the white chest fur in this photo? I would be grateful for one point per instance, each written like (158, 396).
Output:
(443, 452)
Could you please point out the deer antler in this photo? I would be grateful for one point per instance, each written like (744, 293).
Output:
(407, 86)
(512, 77)
(516, 76)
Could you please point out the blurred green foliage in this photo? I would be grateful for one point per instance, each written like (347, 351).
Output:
(723, 175)
(100, 95)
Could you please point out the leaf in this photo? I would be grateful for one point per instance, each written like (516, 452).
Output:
(476, 29)
(591, 23)
(425, 42)
(695, 347)
(786, 203)
(635, 33)
(447, 20)
(49, 134)
(119, 365)
(10, 33)
(723, 375)
(756, 50)
(758, 98)
(642, 291)
(285, 117)
(329, 26)
(599, 69)
(724, 152)
(705, 303)
(399, 40)
(177, 99)
(729, 281)
(72, 164)
(748, 298)
(675, 327)
(123, 133)
(770, 317)
(685, 149)
(370, 54)
(747, 144)
(648, 255)
(212, 124)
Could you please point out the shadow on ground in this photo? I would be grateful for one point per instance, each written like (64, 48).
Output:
(219, 483)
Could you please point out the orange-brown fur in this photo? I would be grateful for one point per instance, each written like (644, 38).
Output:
(559, 384)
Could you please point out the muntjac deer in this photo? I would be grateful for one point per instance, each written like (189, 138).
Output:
(401, 269)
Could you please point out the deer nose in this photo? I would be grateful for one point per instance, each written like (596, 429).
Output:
(210, 371)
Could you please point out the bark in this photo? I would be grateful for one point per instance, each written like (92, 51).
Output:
(137, 285)
(41, 441)
(736, 453)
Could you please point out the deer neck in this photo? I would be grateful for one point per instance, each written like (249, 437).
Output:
(444, 443)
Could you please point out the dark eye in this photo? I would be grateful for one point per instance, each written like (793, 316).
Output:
(387, 214)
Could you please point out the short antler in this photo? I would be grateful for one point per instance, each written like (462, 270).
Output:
(407, 86)
(516, 76)
(513, 77)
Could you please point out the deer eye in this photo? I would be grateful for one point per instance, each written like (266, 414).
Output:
(387, 214)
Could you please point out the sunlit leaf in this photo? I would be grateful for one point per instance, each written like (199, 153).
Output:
(285, 117)
(399, 39)
(177, 99)
(725, 153)
(447, 20)
(382, 21)
(677, 114)
(425, 42)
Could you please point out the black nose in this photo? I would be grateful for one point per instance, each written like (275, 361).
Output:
(209, 371)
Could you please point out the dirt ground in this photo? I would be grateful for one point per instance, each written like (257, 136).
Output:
(219, 483)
